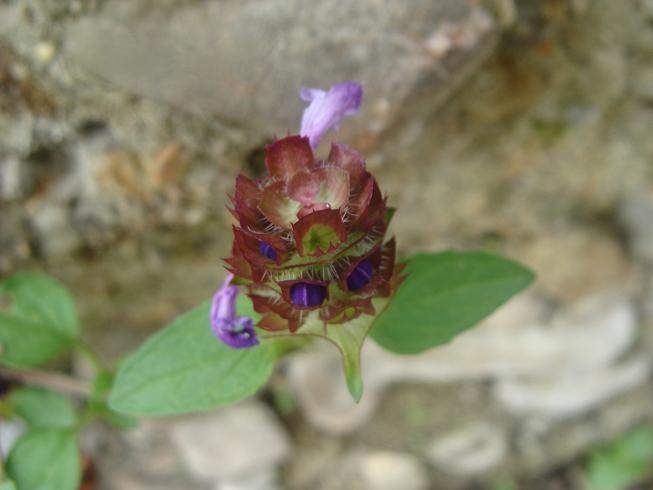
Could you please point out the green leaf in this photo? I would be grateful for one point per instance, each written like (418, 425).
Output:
(444, 295)
(44, 299)
(41, 322)
(622, 463)
(504, 484)
(7, 485)
(184, 368)
(25, 343)
(347, 337)
(45, 459)
(43, 408)
(97, 403)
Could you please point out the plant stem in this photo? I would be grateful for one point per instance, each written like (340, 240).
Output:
(48, 379)
(92, 356)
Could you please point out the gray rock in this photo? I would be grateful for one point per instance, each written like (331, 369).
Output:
(259, 480)
(647, 7)
(636, 217)
(388, 470)
(14, 178)
(54, 230)
(231, 444)
(517, 342)
(123, 481)
(16, 134)
(148, 454)
(471, 450)
(643, 83)
(359, 468)
(574, 393)
(142, 458)
(14, 238)
(227, 56)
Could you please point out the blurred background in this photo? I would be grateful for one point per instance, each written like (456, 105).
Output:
(519, 126)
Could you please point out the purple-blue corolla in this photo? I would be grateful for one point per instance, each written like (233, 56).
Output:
(325, 112)
(235, 331)
(327, 109)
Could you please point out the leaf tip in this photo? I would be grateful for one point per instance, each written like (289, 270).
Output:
(355, 387)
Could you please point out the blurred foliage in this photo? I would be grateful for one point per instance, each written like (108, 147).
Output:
(504, 484)
(622, 463)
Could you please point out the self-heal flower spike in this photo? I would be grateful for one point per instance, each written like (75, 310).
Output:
(235, 331)
(308, 245)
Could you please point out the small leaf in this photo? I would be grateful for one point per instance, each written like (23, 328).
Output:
(347, 337)
(44, 299)
(43, 408)
(444, 295)
(26, 343)
(41, 322)
(45, 459)
(622, 463)
(184, 368)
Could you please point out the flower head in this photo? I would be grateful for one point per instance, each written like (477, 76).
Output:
(235, 331)
(327, 109)
(309, 244)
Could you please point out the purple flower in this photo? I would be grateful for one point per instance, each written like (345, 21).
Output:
(235, 331)
(306, 294)
(327, 109)
(360, 276)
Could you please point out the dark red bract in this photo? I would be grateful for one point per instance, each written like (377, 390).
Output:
(310, 237)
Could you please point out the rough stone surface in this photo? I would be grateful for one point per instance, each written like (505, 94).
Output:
(392, 47)
(259, 480)
(142, 458)
(231, 444)
(572, 394)
(386, 470)
(643, 84)
(14, 243)
(13, 179)
(469, 450)
(238, 448)
(636, 217)
(123, 124)
(583, 341)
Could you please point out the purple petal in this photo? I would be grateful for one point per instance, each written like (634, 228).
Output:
(327, 109)
(267, 250)
(224, 301)
(237, 332)
(360, 276)
(308, 94)
(305, 294)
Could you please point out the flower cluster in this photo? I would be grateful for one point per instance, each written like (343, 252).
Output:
(309, 239)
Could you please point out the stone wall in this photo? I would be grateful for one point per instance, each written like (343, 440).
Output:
(522, 127)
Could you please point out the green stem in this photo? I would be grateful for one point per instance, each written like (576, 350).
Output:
(92, 356)
(87, 417)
